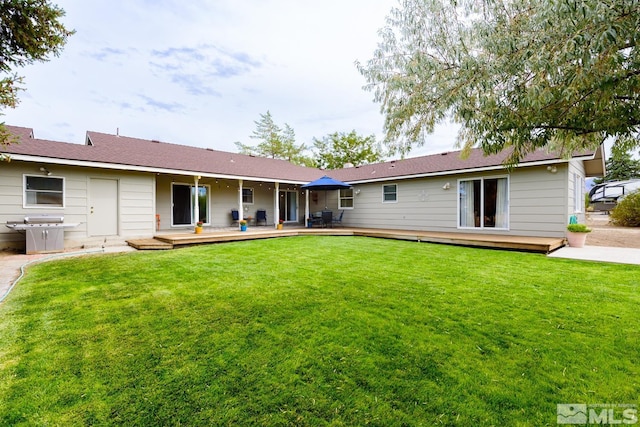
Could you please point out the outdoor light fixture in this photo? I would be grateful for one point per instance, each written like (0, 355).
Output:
(45, 170)
(446, 186)
(552, 169)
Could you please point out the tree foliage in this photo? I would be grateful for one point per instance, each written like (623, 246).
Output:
(627, 211)
(275, 142)
(30, 31)
(338, 149)
(562, 74)
(620, 166)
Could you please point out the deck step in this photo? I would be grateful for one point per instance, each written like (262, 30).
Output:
(149, 244)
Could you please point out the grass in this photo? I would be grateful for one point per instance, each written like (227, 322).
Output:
(317, 331)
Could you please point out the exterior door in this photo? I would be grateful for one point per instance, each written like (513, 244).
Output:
(182, 213)
(103, 207)
(289, 206)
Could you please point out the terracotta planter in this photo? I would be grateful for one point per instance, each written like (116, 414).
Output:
(576, 240)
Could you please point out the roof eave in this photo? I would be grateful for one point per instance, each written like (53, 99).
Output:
(455, 171)
(155, 170)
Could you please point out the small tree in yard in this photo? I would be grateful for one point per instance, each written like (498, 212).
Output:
(627, 211)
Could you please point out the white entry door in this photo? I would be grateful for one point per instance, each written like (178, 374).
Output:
(103, 207)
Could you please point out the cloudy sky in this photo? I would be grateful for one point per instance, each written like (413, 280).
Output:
(201, 72)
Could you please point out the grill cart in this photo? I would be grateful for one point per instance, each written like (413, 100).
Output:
(44, 233)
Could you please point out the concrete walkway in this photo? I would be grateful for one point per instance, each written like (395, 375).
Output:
(12, 265)
(599, 253)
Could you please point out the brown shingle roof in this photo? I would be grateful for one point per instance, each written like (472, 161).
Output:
(120, 150)
(442, 163)
(135, 152)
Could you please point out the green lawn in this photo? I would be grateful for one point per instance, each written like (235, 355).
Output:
(317, 331)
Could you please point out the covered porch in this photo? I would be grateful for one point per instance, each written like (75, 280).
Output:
(218, 202)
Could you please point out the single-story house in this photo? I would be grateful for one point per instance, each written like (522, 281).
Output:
(118, 188)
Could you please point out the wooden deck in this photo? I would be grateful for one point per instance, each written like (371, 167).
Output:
(495, 241)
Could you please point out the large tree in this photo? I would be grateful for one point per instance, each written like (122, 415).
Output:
(338, 149)
(30, 31)
(620, 166)
(275, 142)
(562, 74)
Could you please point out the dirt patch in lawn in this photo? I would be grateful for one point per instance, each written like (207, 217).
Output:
(605, 234)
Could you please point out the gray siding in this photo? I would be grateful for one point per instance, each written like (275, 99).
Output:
(537, 204)
(538, 201)
(136, 203)
(422, 204)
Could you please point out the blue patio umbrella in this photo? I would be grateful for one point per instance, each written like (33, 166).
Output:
(326, 183)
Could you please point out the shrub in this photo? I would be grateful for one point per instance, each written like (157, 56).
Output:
(627, 211)
(578, 228)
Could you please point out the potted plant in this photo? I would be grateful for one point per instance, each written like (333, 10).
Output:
(577, 235)
(199, 227)
(243, 225)
(280, 222)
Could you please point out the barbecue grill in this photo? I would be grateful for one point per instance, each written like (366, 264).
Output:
(44, 233)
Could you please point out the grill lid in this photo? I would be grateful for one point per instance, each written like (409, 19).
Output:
(44, 219)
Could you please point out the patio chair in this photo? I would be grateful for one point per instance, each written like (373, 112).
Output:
(261, 216)
(338, 219)
(327, 218)
(235, 217)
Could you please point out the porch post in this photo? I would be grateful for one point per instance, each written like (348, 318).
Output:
(196, 206)
(276, 205)
(307, 214)
(240, 210)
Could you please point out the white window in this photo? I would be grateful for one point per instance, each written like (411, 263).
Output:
(43, 191)
(483, 203)
(578, 193)
(389, 193)
(247, 196)
(345, 200)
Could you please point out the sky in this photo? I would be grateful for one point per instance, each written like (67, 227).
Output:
(201, 73)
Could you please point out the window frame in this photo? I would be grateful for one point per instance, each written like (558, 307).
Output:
(341, 198)
(482, 225)
(395, 200)
(578, 193)
(252, 192)
(25, 190)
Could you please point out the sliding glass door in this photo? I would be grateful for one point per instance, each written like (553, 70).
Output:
(483, 203)
(183, 201)
(289, 206)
